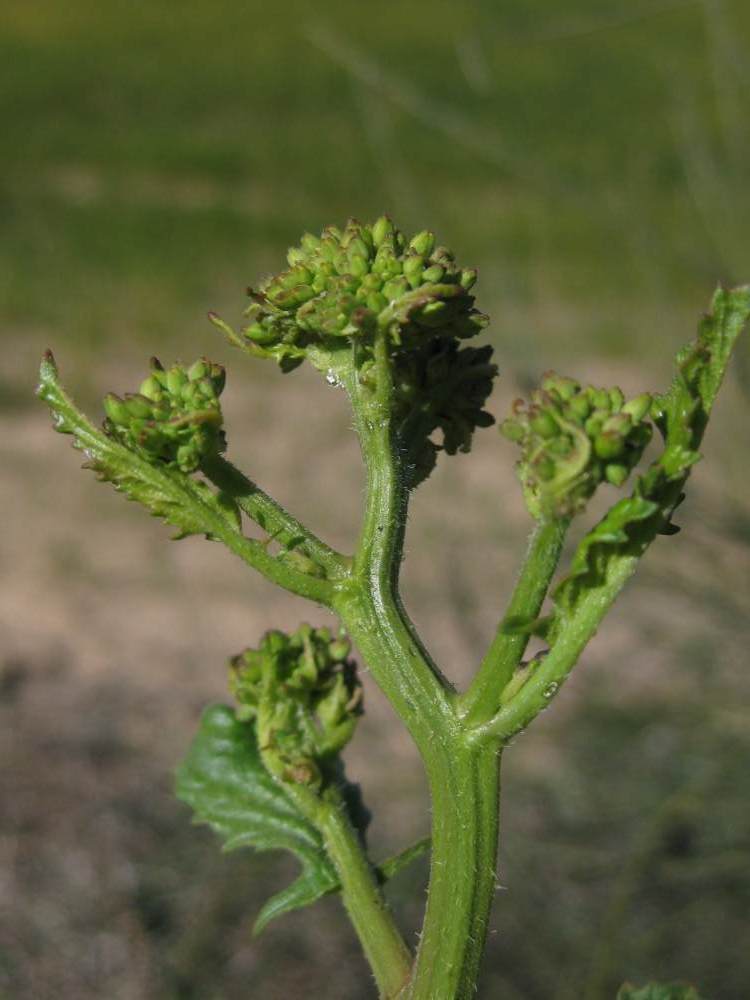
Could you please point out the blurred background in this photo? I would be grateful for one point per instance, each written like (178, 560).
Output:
(592, 158)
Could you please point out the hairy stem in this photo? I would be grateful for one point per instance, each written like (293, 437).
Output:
(370, 607)
(383, 945)
(463, 778)
(482, 698)
(271, 516)
(465, 798)
(544, 683)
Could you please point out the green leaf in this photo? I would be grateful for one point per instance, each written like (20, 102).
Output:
(225, 783)
(681, 415)
(658, 991)
(189, 505)
(613, 536)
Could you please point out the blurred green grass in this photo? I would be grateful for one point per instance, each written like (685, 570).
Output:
(592, 158)
(155, 158)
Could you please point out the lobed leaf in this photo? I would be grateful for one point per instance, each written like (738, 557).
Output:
(224, 781)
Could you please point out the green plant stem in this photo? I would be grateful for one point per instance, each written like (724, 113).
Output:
(388, 955)
(163, 488)
(271, 516)
(464, 786)
(546, 680)
(370, 607)
(463, 778)
(482, 698)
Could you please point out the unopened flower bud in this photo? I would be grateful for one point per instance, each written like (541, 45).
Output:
(382, 228)
(638, 407)
(423, 243)
(573, 439)
(303, 692)
(175, 419)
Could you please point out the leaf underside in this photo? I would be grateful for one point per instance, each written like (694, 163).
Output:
(224, 781)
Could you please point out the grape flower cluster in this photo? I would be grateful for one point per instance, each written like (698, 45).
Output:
(342, 288)
(175, 418)
(302, 691)
(572, 439)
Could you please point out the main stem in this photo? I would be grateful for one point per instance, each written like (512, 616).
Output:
(463, 779)
(465, 804)
(462, 775)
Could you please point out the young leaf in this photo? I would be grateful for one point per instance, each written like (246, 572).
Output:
(681, 415)
(658, 991)
(225, 783)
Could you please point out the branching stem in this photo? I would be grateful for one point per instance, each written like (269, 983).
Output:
(272, 517)
(482, 698)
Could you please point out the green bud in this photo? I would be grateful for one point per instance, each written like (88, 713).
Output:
(151, 388)
(544, 424)
(358, 265)
(560, 386)
(638, 407)
(381, 229)
(567, 450)
(616, 474)
(339, 650)
(176, 419)
(468, 278)
(616, 399)
(594, 425)
(580, 406)
(512, 430)
(423, 243)
(304, 694)
(609, 445)
(544, 467)
(138, 406)
(295, 255)
(413, 265)
(176, 379)
(600, 399)
(116, 409)
(309, 243)
(260, 334)
(620, 424)
(395, 288)
(376, 302)
(433, 275)
(364, 280)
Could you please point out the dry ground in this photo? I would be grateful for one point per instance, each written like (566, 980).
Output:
(113, 639)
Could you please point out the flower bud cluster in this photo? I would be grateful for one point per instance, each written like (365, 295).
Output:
(572, 439)
(347, 283)
(442, 387)
(174, 418)
(303, 692)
